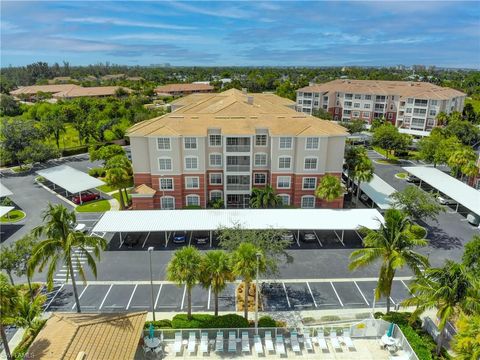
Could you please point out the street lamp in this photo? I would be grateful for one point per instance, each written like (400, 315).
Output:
(150, 250)
(256, 294)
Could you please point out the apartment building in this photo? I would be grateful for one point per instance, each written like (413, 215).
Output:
(222, 145)
(184, 89)
(66, 91)
(412, 106)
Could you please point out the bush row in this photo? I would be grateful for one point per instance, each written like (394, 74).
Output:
(97, 172)
(207, 321)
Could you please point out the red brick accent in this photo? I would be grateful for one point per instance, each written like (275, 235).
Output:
(142, 203)
(139, 179)
(283, 191)
(200, 191)
(393, 120)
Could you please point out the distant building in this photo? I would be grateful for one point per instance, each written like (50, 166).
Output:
(30, 92)
(411, 106)
(113, 77)
(61, 80)
(184, 89)
(66, 91)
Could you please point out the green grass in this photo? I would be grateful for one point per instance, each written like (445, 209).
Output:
(106, 188)
(475, 103)
(13, 216)
(21, 168)
(68, 139)
(401, 175)
(94, 206)
(117, 197)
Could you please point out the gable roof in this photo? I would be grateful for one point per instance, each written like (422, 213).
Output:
(90, 91)
(184, 87)
(33, 89)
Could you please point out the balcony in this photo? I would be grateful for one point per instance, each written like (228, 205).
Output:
(238, 148)
(238, 168)
(236, 187)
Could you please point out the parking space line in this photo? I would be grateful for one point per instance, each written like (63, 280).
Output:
(190, 238)
(309, 289)
(131, 297)
(146, 238)
(286, 295)
(105, 298)
(54, 296)
(80, 296)
(361, 293)
(338, 297)
(183, 297)
(158, 295)
(408, 289)
(318, 238)
(393, 302)
(297, 238)
(209, 295)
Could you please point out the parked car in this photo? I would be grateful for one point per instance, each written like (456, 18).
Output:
(412, 179)
(445, 200)
(180, 237)
(473, 219)
(364, 198)
(288, 235)
(202, 239)
(81, 227)
(309, 236)
(86, 197)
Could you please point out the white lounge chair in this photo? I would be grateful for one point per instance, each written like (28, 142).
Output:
(280, 345)
(334, 340)
(192, 342)
(232, 342)
(348, 340)
(219, 342)
(245, 342)
(177, 345)
(322, 343)
(258, 344)
(294, 342)
(204, 343)
(308, 342)
(269, 342)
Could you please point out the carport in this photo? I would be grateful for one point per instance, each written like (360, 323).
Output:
(379, 192)
(168, 221)
(4, 210)
(4, 191)
(70, 179)
(460, 192)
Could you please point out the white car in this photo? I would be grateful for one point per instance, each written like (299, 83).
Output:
(445, 200)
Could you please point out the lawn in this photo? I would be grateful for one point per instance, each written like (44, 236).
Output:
(94, 206)
(117, 196)
(106, 188)
(475, 103)
(68, 139)
(13, 216)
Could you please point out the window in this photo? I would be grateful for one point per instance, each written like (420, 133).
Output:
(309, 183)
(308, 202)
(356, 105)
(215, 159)
(366, 114)
(347, 112)
(193, 200)
(410, 100)
(191, 163)
(215, 195)
(433, 112)
(192, 182)
(356, 114)
(408, 111)
(166, 184)
(310, 164)
(283, 182)
(390, 116)
(167, 202)
(391, 107)
(163, 143)
(358, 96)
(420, 112)
(285, 143)
(368, 97)
(261, 140)
(418, 123)
(366, 106)
(260, 159)
(421, 102)
(259, 179)
(348, 96)
(311, 143)
(215, 179)
(434, 102)
(380, 98)
(190, 143)
(284, 162)
(347, 103)
(285, 199)
(165, 164)
(215, 140)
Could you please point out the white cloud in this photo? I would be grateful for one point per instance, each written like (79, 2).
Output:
(224, 12)
(121, 22)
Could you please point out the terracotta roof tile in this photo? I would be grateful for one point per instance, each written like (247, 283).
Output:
(144, 190)
(183, 87)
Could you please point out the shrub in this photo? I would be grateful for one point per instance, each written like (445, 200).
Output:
(403, 318)
(206, 321)
(159, 324)
(267, 321)
(97, 172)
(308, 320)
(330, 318)
(192, 207)
(418, 344)
(229, 321)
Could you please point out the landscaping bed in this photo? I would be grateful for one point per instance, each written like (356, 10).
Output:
(94, 206)
(401, 175)
(12, 217)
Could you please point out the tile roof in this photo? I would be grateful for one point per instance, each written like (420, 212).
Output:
(231, 112)
(381, 87)
(143, 190)
(33, 89)
(90, 91)
(183, 87)
(99, 336)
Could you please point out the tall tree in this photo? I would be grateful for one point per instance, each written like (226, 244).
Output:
(16, 135)
(466, 342)
(244, 265)
(329, 188)
(416, 203)
(119, 175)
(388, 138)
(61, 244)
(393, 244)
(264, 198)
(184, 268)
(54, 124)
(28, 310)
(215, 273)
(471, 255)
(105, 153)
(459, 159)
(353, 156)
(363, 172)
(8, 305)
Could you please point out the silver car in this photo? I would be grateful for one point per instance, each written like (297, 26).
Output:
(445, 200)
(309, 236)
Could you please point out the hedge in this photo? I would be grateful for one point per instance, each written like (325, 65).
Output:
(266, 322)
(159, 324)
(97, 172)
(205, 321)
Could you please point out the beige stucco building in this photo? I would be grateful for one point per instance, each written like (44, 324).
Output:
(220, 146)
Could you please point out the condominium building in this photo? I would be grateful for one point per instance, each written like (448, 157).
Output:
(222, 145)
(412, 106)
(184, 89)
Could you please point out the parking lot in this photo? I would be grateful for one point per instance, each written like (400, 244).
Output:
(276, 296)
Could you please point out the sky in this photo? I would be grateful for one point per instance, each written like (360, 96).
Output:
(246, 33)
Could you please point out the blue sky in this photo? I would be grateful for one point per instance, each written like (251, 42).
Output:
(242, 33)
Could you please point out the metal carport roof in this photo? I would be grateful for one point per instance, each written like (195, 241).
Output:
(462, 193)
(5, 210)
(379, 191)
(254, 219)
(4, 191)
(72, 180)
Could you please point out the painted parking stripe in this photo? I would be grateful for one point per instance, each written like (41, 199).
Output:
(131, 297)
(311, 294)
(209, 296)
(335, 290)
(158, 296)
(406, 286)
(79, 297)
(54, 296)
(286, 295)
(183, 297)
(361, 293)
(105, 298)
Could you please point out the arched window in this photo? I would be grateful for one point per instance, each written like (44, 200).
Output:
(192, 200)
(285, 199)
(167, 202)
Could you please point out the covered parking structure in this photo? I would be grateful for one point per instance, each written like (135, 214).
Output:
(4, 191)
(73, 181)
(460, 192)
(170, 221)
(379, 192)
(4, 210)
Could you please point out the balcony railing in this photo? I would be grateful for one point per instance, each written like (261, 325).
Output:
(238, 186)
(238, 148)
(238, 168)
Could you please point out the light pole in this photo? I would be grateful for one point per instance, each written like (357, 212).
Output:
(373, 304)
(256, 294)
(150, 250)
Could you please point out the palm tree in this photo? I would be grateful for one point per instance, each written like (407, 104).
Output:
(215, 273)
(329, 189)
(184, 268)
(442, 118)
(8, 304)
(264, 198)
(450, 289)
(118, 178)
(28, 310)
(244, 265)
(363, 172)
(460, 158)
(466, 342)
(393, 245)
(352, 154)
(64, 244)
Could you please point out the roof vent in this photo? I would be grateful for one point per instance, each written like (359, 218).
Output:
(244, 91)
(250, 100)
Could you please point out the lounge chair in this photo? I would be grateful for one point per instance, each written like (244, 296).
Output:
(192, 342)
(280, 345)
(308, 342)
(258, 344)
(334, 340)
(322, 343)
(177, 345)
(348, 340)
(219, 342)
(269, 342)
(232, 342)
(294, 342)
(204, 343)
(245, 342)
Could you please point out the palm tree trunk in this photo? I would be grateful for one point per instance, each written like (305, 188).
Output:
(245, 300)
(388, 304)
(358, 192)
(74, 285)
(10, 277)
(122, 204)
(216, 303)
(189, 302)
(440, 341)
(30, 288)
(5, 343)
(126, 197)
